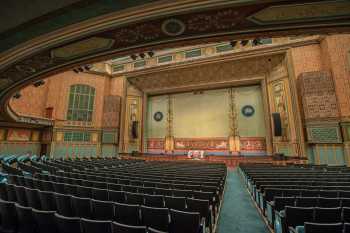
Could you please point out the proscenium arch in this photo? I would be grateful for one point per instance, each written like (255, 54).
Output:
(158, 25)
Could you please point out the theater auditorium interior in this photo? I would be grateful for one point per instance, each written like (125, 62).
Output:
(185, 116)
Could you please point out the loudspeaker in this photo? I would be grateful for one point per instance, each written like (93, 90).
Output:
(134, 129)
(277, 124)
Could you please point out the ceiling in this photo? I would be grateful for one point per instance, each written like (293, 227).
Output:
(40, 38)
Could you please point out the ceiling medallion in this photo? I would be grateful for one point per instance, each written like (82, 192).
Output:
(173, 27)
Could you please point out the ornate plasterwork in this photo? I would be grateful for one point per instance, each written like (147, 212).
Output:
(207, 74)
(233, 113)
(305, 12)
(318, 96)
(82, 48)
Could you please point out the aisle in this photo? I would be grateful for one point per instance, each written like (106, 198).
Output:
(238, 214)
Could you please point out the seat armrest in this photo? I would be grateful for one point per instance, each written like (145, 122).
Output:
(202, 226)
(271, 203)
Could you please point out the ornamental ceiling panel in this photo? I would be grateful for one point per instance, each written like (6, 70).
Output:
(208, 74)
(318, 11)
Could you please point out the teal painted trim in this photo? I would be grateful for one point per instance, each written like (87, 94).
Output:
(310, 155)
(340, 156)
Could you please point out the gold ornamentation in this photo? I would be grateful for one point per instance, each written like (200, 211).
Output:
(82, 48)
(305, 12)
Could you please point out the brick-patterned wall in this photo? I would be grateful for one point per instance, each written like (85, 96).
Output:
(318, 95)
(306, 59)
(32, 101)
(55, 94)
(111, 111)
(335, 51)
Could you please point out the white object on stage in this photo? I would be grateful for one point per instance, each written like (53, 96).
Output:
(195, 154)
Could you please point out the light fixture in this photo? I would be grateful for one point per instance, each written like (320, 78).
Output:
(88, 67)
(17, 95)
(150, 53)
(257, 41)
(142, 55)
(233, 43)
(75, 70)
(133, 57)
(244, 42)
(39, 83)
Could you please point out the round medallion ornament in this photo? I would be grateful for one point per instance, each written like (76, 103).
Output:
(248, 111)
(158, 116)
(173, 27)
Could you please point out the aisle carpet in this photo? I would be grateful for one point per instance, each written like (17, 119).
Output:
(238, 214)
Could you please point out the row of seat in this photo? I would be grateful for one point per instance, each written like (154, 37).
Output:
(113, 191)
(277, 194)
(127, 206)
(98, 176)
(310, 227)
(133, 185)
(297, 216)
(200, 171)
(16, 218)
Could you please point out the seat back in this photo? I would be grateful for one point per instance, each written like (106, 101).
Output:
(328, 215)
(45, 221)
(68, 224)
(116, 196)
(134, 198)
(21, 196)
(296, 216)
(322, 228)
(11, 193)
(58, 187)
(81, 207)
(346, 227)
(47, 200)
(281, 202)
(181, 222)
(33, 198)
(198, 205)
(306, 201)
(127, 214)
(96, 226)
(102, 210)
(63, 204)
(8, 216)
(114, 187)
(154, 200)
(118, 228)
(152, 230)
(26, 223)
(84, 191)
(100, 194)
(176, 203)
(328, 202)
(155, 217)
(70, 189)
(146, 190)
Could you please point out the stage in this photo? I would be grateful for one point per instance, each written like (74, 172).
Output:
(229, 160)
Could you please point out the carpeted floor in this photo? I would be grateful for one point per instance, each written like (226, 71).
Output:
(238, 213)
